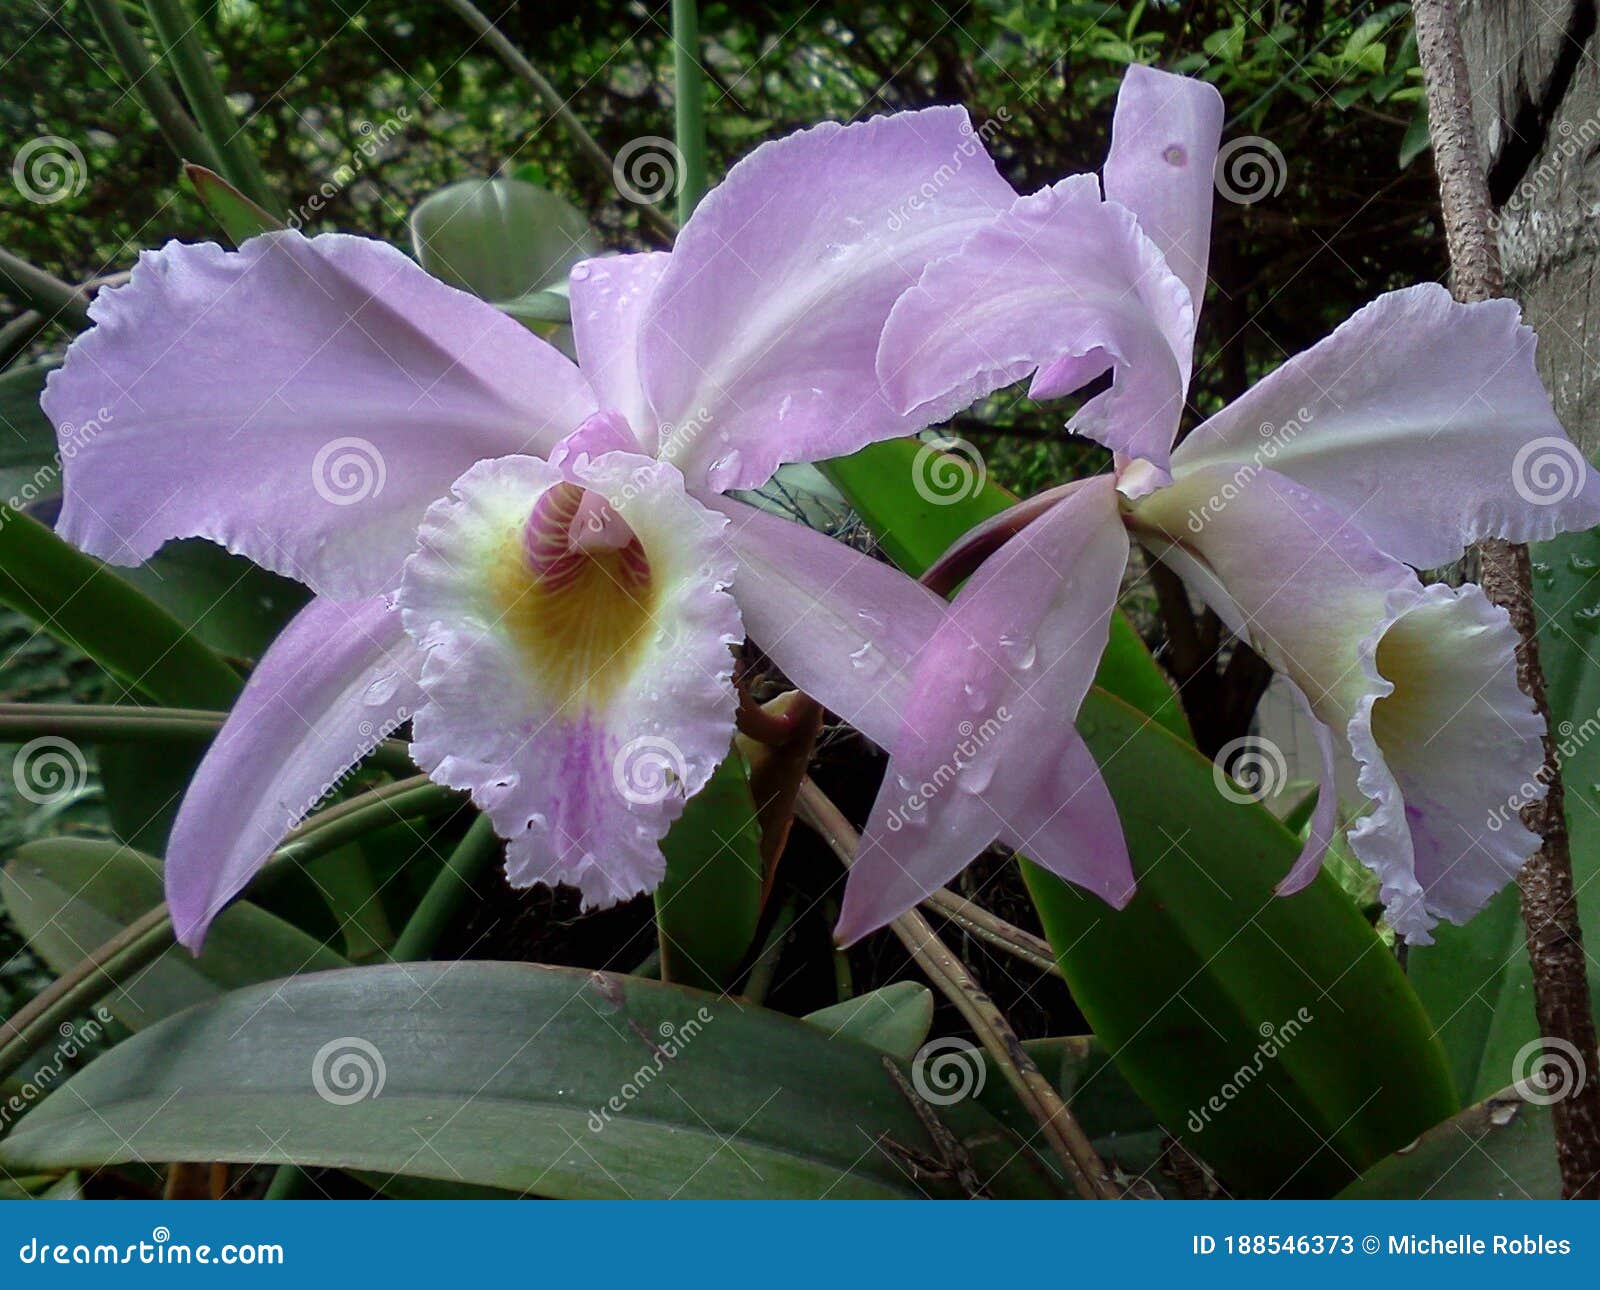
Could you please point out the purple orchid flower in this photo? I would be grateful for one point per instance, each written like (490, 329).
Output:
(531, 560)
(1300, 513)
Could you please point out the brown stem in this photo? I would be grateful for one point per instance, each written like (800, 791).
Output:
(949, 974)
(1549, 907)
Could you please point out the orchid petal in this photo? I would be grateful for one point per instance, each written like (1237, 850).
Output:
(1164, 137)
(987, 747)
(1062, 283)
(340, 678)
(758, 341)
(1421, 681)
(843, 627)
(578, 672)
(609, 297)
(1324, 816)
(300, 400)
(1421, 417)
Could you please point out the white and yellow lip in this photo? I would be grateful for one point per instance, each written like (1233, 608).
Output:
(574, 619)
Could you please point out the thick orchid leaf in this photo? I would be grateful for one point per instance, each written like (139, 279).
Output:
(1276, 1035)
(709, 903)
(81, 602)
(916, 503)
(501, 239)
(546, 1081)
(224, 600)
(896, 1018)
(1475, 980)
(69, 896)
(237, 216)
(1503, 1148)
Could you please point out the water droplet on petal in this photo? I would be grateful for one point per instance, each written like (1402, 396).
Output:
(580, 272)
(381, 690)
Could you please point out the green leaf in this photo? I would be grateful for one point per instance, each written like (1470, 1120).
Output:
(69, 896)
(896, 1018)
(80, 601)
(232, 605)
(551, 1081)
(27, 438)
(1204, 983)
(1476, 981)
(501, 239)
(1501, 1149)
(914, 530)
(1417, 140)
(709, 903)
(237, 216)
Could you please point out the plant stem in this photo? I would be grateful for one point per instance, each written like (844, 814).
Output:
(1549, 905)
(766, 965)
(512, 57)
(949, 974)
(443, 899)
(690, 107)
(59, 302)
(136, 945)
(979, 922)
(111, 723)
(176, 125)
(175, 27)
